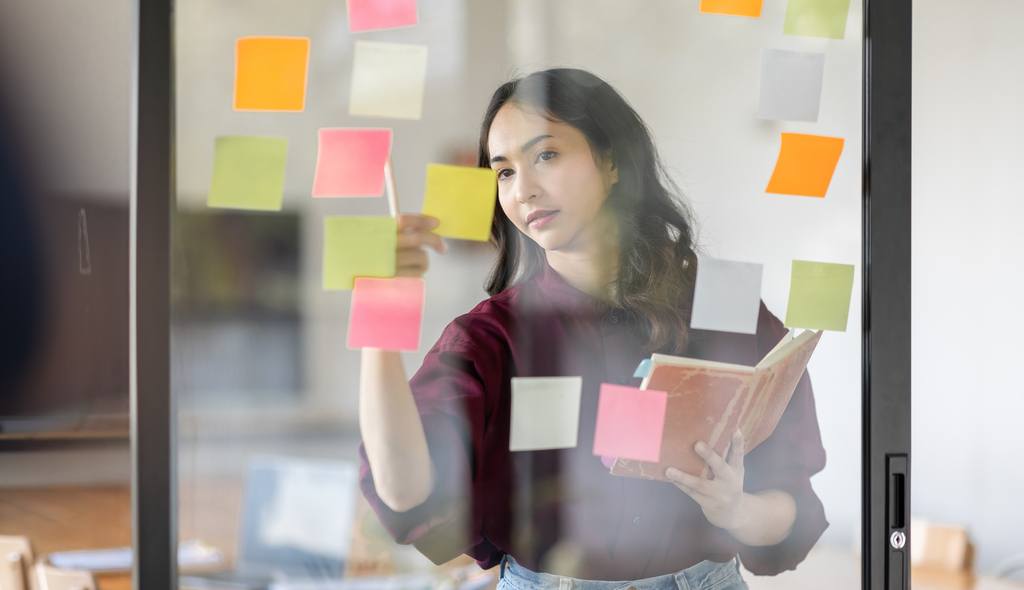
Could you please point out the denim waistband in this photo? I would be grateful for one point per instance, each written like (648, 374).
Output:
(706, 575)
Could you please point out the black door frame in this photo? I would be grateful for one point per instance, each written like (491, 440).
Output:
(885, 277)
(886, 294)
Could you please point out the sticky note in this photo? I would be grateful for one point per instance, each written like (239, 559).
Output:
(371, 15)
(386, 314)
(270, 73)
(358, 246)
(817, 18)
(630, 423)
(350, 162)
(727, 296)
(819, 295)
(732, 7)
(643, 369)
(790, 85)
(463, 198)
(248, 173)
(805, 165)
(545, 413)
(388, 80)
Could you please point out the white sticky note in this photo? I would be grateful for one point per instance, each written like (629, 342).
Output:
(790, 85)
(545, 413)
(388, 80)
(727, 296)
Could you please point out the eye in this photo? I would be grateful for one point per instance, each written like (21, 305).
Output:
(546, 155)
(504, 173)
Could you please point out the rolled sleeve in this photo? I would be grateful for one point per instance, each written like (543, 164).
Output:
(449, 393)
(786, 461)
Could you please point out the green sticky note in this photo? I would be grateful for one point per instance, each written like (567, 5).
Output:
(248, 173)
(817, 18)
(463, 198)
(819, 295)
(358, 246)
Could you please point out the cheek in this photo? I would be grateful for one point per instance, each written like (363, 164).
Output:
(508, 205)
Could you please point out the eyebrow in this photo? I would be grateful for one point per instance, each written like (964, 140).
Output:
(525, 147)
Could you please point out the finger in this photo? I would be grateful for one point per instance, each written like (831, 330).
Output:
(410, 271)
(416, 222)
(420, 239)
(736, 451)
(698, 497)
(714, 460)
(691, 482)
(411, 257)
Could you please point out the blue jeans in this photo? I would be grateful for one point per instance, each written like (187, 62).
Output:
(706, 575)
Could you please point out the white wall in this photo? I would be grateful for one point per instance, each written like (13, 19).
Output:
(968, 277)
(68, 65)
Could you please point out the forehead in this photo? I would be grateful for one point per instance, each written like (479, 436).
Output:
(514, 125)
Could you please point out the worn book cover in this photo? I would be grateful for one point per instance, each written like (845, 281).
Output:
(708, 401)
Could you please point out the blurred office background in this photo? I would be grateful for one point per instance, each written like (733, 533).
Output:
(259, 362)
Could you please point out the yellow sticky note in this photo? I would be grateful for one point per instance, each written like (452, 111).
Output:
(733, 7)
(463, 198)
(805, 165)
(388, 80)
(819, 295)
(358, 246)
(248, 173)
(270, 73)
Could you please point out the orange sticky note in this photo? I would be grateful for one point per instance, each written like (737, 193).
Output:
(270, 73)
(630, 423)
(733, 7)
(350, 162)
(805, 165)
(386, 314)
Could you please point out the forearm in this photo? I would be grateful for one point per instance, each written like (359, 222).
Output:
(764, 518)
(392, 432)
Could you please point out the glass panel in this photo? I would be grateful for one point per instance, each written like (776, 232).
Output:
(967, 479)
(64, 238)
(522, 436)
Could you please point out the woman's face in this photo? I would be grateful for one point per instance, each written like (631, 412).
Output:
(550, 184)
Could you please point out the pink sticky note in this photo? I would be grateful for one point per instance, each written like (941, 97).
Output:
(369, 15)
(350, 162)
(386, 314)
(630, 423)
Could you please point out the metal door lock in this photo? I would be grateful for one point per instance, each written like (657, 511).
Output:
(897, 539)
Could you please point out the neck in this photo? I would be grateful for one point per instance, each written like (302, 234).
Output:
(591, 262)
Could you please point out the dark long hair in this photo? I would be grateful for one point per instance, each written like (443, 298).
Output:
(657, 262)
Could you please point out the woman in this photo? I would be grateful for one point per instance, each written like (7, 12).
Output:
(595, 272)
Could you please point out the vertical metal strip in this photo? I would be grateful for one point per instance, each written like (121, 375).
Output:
(886, 269)
(154, 506)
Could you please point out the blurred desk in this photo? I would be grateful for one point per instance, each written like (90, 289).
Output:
(839, 569)
(66, 518)
(98, 517)
(73, 517)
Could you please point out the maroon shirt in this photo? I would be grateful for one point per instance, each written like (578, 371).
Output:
(488, 501)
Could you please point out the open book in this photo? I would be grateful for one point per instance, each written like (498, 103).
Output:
(708, 401)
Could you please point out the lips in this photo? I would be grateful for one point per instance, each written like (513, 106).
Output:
(540, 216)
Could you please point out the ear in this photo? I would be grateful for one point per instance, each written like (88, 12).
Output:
(611, 169)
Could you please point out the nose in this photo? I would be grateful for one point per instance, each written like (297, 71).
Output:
(525, 189)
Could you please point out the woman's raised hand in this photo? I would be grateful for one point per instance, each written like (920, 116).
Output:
(415, 235)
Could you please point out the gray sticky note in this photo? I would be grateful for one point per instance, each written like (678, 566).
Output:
(790, 85)
(727, 296)
(545, 413)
